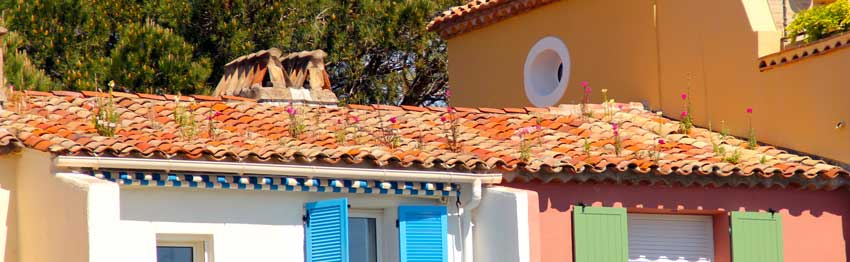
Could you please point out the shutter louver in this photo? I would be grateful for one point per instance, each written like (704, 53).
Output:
(327, 231)
(756, 237)
(422, 233)
(600, 234)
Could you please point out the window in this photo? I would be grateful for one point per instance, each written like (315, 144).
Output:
(546, 72)
(183, 248)
(364, 235)
(334, 235)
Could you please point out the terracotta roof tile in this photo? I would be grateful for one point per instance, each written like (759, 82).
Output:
(479, 13)
(248, 131)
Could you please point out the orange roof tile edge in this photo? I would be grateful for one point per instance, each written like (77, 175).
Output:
(416, 138)
(479, 13)
(799, 53)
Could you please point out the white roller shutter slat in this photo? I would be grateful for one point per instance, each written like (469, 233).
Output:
(670, 238)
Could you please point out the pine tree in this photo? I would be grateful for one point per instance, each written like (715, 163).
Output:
(150, 58)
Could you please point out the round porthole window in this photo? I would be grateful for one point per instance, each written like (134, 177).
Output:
(546, 72)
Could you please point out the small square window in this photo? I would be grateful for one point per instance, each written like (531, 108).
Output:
(183, 248)
(364, 235)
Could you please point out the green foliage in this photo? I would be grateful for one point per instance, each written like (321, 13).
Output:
(379, 50)
(154, 58)
(821, 21)
(20, 70)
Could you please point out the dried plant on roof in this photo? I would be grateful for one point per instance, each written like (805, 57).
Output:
(184, 118)
(105, 120)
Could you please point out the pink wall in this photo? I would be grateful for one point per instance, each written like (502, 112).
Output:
(813, 222)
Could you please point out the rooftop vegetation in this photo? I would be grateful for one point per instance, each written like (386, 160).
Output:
(820, 22)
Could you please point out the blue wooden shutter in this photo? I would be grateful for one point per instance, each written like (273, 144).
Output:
(327, 231)
(422, 233)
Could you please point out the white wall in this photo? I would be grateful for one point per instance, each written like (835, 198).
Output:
(501, 226)
(246, 225)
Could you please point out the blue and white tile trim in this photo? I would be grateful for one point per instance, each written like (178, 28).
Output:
(276, 183)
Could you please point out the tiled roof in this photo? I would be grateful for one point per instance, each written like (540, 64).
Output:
(61, 123)
(8, 142)
(479, 13)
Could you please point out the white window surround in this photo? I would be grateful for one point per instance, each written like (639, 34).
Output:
(378, 215)
(543, 86)
(201, 244)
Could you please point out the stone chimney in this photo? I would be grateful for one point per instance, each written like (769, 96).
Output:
(3, 89)
(271, 77)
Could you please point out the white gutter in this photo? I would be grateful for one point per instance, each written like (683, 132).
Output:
(475, 199)
(274, 169)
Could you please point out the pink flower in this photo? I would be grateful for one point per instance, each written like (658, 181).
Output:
(615, 126)
(355, 119)
(684, 96)
(661, 141)
(620, 106)
(339, 121)
(393, 120)
(291, 110)
(448, 93)
(11, 87)
(749, 110)
(584, 83)
(684, 113)
(538, 128)
(443, 118)
(587, 89)
(217, 114)
(450, 109)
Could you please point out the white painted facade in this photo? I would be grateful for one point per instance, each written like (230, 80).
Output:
(57, 215)
(501, 226)
(249, 225)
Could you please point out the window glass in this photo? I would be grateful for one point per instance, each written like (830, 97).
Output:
(173, 254)
(362, 240)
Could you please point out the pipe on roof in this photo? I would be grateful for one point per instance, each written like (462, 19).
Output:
(273, 169)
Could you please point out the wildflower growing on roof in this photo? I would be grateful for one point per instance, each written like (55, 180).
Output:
(584, 110)
(687, 121)
(525, 143)
(617, 141)
(393, 120)
(106, 119)
(751, 138)
(657, 154)
(448, 93)
(296, 124)
(212, 130)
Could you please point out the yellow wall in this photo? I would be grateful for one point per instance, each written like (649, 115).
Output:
(615, 45)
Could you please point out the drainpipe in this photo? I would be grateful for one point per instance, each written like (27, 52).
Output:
(468, 244)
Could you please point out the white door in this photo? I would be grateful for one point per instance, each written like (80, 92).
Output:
(670, 238)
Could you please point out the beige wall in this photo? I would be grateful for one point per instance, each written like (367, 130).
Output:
(615, 45)
(52, 213)
(8, 208)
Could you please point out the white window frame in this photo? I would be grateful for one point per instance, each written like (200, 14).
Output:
(378, 215)
(201, 244)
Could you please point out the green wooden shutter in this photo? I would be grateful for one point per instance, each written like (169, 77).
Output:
(756, 237)
(600, 234)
